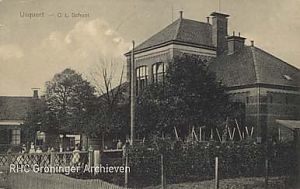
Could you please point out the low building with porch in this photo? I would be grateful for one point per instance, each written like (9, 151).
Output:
(13, 112)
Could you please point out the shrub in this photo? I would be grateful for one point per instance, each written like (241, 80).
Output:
(195, 162)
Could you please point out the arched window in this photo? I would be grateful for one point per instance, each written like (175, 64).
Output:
(158, 72)
(141, 78)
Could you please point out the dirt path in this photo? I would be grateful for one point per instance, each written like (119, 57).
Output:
(237, 183)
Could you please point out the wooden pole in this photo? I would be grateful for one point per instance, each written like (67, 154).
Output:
(132, 96)
(297, 149)
(103, 141)
(194, 133)
(219, 135)
(200, 134)
(247, 131)
(217, 173)
(279, 134)
(176, 133)
(266, 173)
(126, 172)
(229, 132)
(231, 136)
(238, 127)
(162, 171)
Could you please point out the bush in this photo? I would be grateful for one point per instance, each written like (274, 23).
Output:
(195, 162)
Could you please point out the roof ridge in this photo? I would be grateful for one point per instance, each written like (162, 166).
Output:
(257, 76)
(200, 22)
(177, 29)
(153, 35)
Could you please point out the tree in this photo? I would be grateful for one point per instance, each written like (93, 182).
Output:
(190, 97)
(70, 100)
(113, 111)
(38, 118)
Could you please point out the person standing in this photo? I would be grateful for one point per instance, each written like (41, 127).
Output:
(76, 156)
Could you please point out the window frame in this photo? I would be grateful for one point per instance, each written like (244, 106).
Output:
(156, 72)
(15, 136)
(142, 74)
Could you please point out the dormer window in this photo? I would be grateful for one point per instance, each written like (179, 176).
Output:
(287, 77)
(158, 72)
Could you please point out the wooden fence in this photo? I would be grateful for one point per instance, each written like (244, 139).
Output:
(55, 181)
(44, 159)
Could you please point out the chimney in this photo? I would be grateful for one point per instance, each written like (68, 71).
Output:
(207, 18)
(235, 43)
(180, 14)
(219, 31)
(252, 43)
(35, 92)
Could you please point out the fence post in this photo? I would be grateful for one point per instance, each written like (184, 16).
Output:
(217, 173)
(90, 156)
(9, 159)
(266, 173)
(52, 156)
(96, 159)
(126, 173)
(163, 182)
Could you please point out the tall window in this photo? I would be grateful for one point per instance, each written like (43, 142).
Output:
(141, 78)
(16, 136)
(271, 99)
(247, 100)
(158, 72)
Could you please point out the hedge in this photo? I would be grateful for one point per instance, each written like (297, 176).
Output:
(195, 162)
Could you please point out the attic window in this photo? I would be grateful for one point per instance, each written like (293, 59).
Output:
(287, 77)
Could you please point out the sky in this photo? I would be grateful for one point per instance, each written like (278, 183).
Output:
(33, 49)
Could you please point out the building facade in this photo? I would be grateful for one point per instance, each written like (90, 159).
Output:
(13, 113)
(266, 86)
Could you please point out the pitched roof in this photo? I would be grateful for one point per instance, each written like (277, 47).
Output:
(14, 108)
(252, 65)
(123, 90)
(181, 30)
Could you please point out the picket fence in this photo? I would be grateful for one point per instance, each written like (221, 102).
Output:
(55, 181)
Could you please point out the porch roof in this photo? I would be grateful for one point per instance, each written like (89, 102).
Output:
(291, 124)
(11, 122)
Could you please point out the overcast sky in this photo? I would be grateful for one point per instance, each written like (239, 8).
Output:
(33, 50)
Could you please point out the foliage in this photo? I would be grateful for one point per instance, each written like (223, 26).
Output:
(70, 105)
(70, 101)
(104, 121)
(189, 97)
(38, 118)
(196, 162)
